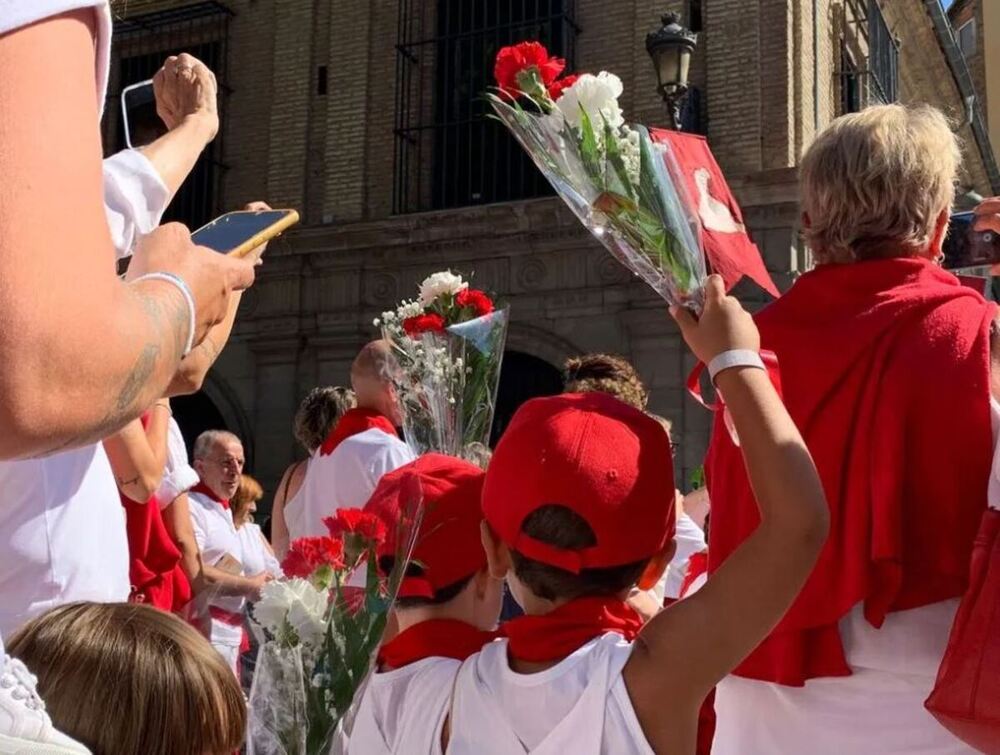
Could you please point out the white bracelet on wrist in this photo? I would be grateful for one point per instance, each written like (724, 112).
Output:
(735, 358)
(181, 286)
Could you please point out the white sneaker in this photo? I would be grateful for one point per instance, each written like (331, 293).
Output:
(25, 727)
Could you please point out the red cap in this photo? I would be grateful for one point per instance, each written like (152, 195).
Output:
(607, 462)
(448, 546)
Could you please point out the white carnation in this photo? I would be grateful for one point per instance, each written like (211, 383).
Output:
(440, 284)
(597, 96)
(296, 601)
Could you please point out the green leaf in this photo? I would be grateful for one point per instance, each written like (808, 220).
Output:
(589, 151)
(617, 179)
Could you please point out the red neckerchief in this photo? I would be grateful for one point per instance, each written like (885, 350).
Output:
(557, 634)
(437, 638)
(354, 422)
(207, 491)
(885, 367)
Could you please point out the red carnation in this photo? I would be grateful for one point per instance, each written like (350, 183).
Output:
(516, 59)
(356, 522)
(307, 554)
(475, 300)
(427, 323)
(556, 88)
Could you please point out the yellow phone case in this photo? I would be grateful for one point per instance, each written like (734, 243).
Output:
(286, 221)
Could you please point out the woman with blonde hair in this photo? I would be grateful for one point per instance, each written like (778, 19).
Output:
(257, 553)
(124, 678)
(885, 366)
(316, 417)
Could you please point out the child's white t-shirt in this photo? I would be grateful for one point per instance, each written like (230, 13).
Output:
(578, 706)
(403, 711)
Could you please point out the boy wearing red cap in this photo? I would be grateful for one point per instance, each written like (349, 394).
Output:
(446, 607)
(576, 516)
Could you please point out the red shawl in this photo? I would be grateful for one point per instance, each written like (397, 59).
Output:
(154, 568)
(885, 367)
(355, 422)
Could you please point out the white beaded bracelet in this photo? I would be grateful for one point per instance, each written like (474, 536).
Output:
(734, 358)
(182, 286)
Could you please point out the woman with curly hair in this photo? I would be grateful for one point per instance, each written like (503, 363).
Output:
(317, 416)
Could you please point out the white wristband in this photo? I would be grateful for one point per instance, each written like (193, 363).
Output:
(734, 358)
(179, 282)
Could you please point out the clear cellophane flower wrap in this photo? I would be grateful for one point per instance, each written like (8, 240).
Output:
(319, 634)
(449, 348)
(626, 189)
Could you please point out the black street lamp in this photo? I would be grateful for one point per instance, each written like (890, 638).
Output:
(670, 48)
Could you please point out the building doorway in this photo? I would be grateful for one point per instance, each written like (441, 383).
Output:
(523, 377)
(195, 414)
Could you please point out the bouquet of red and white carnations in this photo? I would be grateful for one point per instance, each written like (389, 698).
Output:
(449, 346)
(625, 188)
(319, 636)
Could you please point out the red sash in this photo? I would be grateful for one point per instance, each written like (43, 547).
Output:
(885, 367)
(437, 638)
(354, 422)
(557, 634)
(697, 566)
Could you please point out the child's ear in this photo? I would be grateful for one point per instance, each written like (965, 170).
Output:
(497, 555)
(657, 566)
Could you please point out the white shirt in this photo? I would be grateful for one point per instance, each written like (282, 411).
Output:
(62, 534)
(344, 479)
(578, 706)
(216, 536)
(134, 198)
(403, 711)
(178, 476)
(690, 539)
(256, 556)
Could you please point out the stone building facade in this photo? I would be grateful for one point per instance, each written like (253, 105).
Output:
(362, 115)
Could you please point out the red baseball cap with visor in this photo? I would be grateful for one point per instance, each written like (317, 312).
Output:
(604, 460)
(448, 547)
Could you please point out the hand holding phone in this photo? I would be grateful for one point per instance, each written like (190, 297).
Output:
(238, 234)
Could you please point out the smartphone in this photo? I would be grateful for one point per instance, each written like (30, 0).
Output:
(239, 233)
(966, 248)
(140, 121)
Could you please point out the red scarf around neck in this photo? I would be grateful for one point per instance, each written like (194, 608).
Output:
(885, 367)
(354, 422)
(437, 638)
(209, 493)
(559, 633)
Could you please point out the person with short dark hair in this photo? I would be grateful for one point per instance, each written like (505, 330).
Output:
(447, 604)
(576, 516)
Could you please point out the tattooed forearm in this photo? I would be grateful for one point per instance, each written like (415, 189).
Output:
(127, 483)
(166, 319)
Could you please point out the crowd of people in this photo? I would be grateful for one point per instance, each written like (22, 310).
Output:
(563, 595)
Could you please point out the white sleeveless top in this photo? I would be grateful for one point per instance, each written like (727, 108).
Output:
(578, 707)
(403, 711)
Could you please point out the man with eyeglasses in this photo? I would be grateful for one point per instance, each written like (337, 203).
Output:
(222, 587)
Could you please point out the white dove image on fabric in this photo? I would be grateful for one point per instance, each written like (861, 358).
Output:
(715, 215)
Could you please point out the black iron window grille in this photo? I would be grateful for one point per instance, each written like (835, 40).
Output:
(448, 153)
(141, 43)
(875, 80)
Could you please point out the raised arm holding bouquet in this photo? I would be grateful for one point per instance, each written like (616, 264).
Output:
(624, 187)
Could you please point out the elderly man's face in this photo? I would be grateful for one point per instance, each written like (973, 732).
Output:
(220, 470)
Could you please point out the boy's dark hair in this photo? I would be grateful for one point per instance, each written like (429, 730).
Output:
(445, 594)
(562, 527)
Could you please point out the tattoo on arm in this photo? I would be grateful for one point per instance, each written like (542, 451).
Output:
(163, 314)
